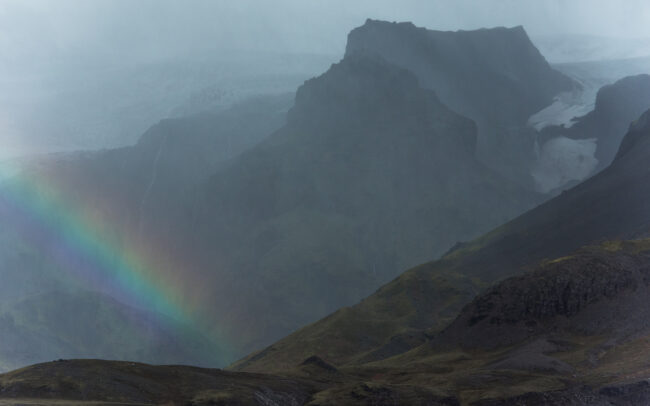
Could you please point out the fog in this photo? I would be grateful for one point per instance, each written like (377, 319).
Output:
(81, 67)
(148, 28)
(209, 176)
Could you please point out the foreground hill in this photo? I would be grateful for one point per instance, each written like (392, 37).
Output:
(422, 301)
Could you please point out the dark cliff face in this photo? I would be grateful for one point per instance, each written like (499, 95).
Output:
(496, 77)
(598, 290)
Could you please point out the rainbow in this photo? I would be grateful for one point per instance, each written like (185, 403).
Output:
(73, 236)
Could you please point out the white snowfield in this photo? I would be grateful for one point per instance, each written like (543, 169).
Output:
(563, 160)
(567, 106)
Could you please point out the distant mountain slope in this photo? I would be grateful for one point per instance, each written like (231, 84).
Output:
(81, 324)
(496, 77)
(402, 314)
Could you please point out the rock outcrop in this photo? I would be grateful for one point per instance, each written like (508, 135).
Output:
(598, 290)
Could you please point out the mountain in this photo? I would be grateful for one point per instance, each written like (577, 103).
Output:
(371, 174)
(410, 309)
(78, 324)
(495, 76)
(151, 180)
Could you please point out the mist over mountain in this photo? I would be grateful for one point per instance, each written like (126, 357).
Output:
(495, 77)
(412, 321)
(291, 197)
(39, 328)
(256, 203)
(589, 48)
(257, 222)
(107, 105)
(452, 215)
(570, 330)
(150, 185)
(611, 205)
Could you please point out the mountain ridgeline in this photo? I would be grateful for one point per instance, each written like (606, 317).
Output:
(496, 77)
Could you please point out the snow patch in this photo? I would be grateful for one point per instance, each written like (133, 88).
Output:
(562, 160)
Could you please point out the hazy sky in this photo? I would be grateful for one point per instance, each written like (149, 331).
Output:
(47, 46)
(158, 27)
